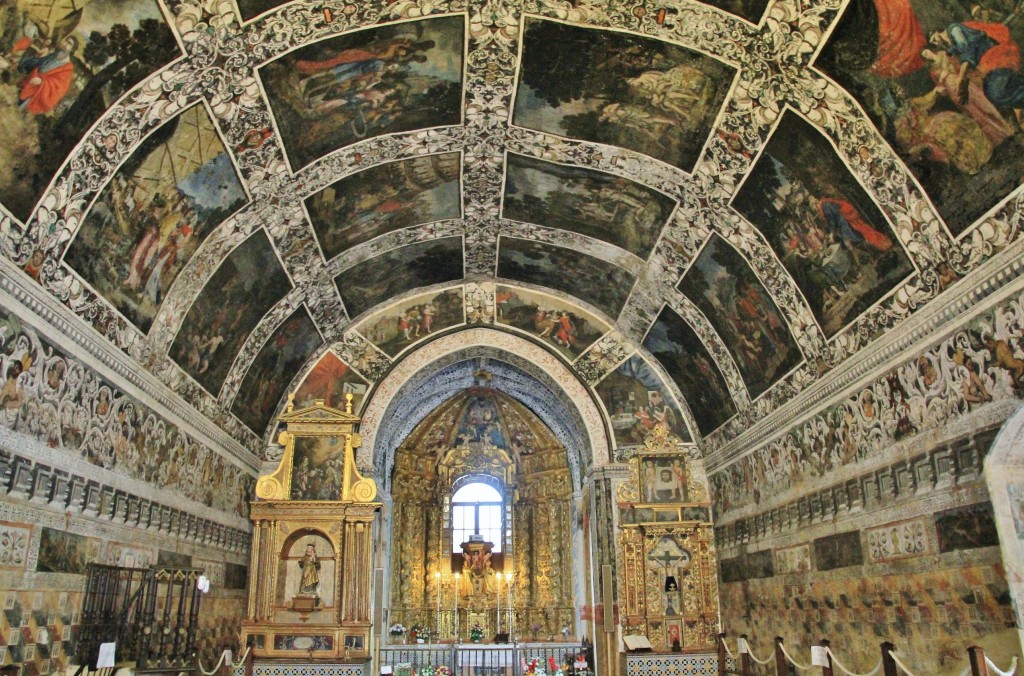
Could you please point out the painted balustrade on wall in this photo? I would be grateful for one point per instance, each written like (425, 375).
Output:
(781, 661)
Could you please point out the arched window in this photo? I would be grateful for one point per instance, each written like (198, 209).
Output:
(477, 509)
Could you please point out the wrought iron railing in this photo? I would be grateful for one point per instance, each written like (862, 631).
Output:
(151, 614)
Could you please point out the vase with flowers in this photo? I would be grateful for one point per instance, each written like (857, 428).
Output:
(397, 632)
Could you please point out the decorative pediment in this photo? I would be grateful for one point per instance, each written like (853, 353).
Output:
(318, 463)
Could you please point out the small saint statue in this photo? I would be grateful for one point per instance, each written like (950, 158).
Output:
(310, 565)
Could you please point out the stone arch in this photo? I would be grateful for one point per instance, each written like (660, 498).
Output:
(417, 367)
(1004, 477)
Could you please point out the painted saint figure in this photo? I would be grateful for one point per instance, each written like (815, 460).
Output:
(310, 565)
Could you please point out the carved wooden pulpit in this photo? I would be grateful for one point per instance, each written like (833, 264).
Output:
(310, 585)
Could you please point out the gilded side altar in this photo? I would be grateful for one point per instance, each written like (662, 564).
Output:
(310, 596)
(668, 586)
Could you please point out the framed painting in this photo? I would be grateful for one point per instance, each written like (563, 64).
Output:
(663, 479)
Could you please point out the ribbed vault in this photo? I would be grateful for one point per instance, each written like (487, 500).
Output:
(711, 190)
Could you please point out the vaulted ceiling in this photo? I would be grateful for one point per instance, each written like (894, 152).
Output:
(721, 203)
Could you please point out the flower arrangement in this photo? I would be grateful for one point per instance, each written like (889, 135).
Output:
(397, 629)
(442, 671)
(426, 671)
(419, 634)
(476, 633)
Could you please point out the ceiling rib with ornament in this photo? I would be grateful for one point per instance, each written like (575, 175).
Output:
(702, 208)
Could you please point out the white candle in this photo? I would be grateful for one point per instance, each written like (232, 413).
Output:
(497, 595)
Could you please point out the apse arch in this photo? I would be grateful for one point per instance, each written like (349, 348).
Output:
(413, 388)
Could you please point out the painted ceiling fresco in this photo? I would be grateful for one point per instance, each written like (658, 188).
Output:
(703, 210)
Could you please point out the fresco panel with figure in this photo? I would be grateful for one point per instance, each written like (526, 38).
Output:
(568, 328)
(678, 349)
(823, 226)
(412, 320)
(162, 203)
(381, 80)
(943, 83)
(740, 309)
(606, 286)
(592, 203)
(386, 198)
(330, 380)
(636, 400)
(377, 279)
(62, 64)
(245, 287)
(653, 97)
(277, 363)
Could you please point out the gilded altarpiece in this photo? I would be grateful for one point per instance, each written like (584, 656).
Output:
(668, 588)
(527, 589)
(310, 595)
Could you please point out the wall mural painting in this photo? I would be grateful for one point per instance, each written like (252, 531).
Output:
(653, 97)
(414, 319)
(371, 82)
(823, 226)
(59, 401)
(330, 380)
(63, 552)
(63, 63)
(636, 400)
(943, 83)
(253, 8)
(245, 287)
(383, 199)
(606, 286)
(977, 365)
(592, 203)
(277, 363)
(740, 309)
(317, 466)
(682, 354)
(563, 325)
(144, 227)
(378, 279)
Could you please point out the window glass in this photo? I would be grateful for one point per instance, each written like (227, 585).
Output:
(477, 508)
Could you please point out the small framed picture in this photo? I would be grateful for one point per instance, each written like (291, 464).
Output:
(673, 634)
(663, 479)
